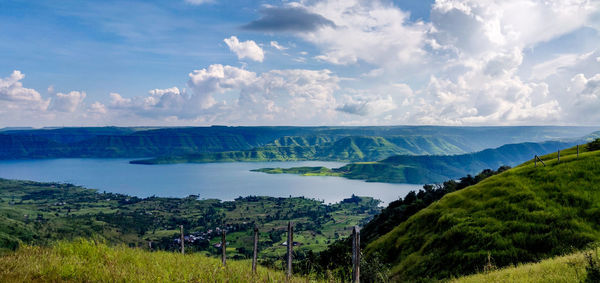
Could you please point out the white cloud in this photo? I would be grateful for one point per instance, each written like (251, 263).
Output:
(473, 26)
(278, 46)
(226, 94)
(67, 102)
(545, 69)
(370, 31)
(199, 2)
(13, 96)
(475, 99)
(97, 108)
(219, 78)
(245, 49)
(584, 95)
(117, 101)
(364, 106)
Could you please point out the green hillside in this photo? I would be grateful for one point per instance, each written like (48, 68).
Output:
(521, 215)
(89, 261)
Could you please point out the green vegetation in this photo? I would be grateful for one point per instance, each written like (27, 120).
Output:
(304, 171)
(41, 213)
(188, 144)
(350, 148)
(336, 258)
(423, 169)
(568, 268)
(90, 261)
(521, 215)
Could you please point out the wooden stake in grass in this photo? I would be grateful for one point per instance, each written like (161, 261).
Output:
(290, 244)
(558, 155)
(540, 160)
(355, 254)
(255, 249)
(182, 239)
(223, 248)
(535, 161)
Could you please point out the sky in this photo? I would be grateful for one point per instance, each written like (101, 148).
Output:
(330, 62)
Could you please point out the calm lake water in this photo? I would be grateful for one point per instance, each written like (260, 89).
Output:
(224, 181)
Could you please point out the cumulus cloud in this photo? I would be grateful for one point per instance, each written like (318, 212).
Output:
(245, 49)
(370, 31)
(13, 96)
(158, 103)
(27, 107)
(67, 102)
(289, 18)
(474, 99)
(97, 108)
(218, 79)
(584, 94)
(227, 94)
(472, 26)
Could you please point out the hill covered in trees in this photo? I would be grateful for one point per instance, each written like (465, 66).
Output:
(41, 213)
(421, 169)
(197, 144)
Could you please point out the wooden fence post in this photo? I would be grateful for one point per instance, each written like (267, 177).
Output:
(558, 155)
(577, 151)
(355, 254)
(254, 255)
(540, 160)
(223, 248)
(535, 161)
(290, 244)
(182, 239)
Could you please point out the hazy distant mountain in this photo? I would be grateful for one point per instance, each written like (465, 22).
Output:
(277, 143)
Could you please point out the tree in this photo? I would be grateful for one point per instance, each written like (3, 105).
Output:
(594, 145)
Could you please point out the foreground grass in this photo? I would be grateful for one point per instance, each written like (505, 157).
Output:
(88, 261)
(569, 268)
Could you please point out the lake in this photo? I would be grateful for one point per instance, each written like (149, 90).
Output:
(224, 181)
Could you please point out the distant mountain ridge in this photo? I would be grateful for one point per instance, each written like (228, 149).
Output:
(348, 148)
(276, 143)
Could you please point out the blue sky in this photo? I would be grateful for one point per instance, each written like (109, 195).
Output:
(331, 62)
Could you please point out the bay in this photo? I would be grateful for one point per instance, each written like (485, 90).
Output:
(224, 181)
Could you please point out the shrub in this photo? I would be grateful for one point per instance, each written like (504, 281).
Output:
(592, 268)
(594, 145)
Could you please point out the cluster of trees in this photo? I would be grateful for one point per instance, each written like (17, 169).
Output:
(594, 145)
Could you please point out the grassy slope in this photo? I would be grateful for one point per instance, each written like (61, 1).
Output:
(567, 268)
(87, 261)
(524, 214)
